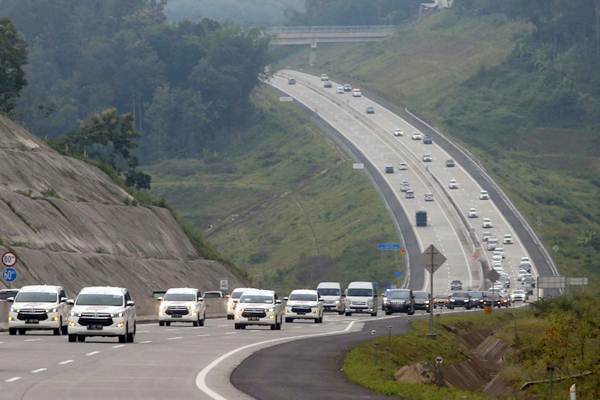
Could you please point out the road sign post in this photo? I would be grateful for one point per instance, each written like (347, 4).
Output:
(224, 285)
(432, 259)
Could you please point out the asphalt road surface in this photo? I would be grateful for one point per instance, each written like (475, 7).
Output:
(449, 229)
(178, 362)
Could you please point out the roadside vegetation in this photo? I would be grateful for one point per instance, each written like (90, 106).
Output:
(564, 332)
(283, 201)
(516, 83)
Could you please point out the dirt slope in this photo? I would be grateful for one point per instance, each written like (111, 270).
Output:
(69, 225)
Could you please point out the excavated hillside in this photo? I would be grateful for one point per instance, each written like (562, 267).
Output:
(70, 225)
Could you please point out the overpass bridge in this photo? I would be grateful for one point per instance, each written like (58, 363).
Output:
(311, 35)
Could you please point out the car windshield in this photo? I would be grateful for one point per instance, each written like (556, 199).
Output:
(459, 294)
(212, 295)
(329, 292)
(421, 295)
(360, 292)
(477, 295)
(99, 299)
(36, 297)
(399, 294)
(256, 298)
(180, 297)
(237, 294)
(303, 297)
(7, 294)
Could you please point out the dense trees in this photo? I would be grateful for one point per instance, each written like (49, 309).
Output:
(13, 55)
(183, 84)
(355, 12)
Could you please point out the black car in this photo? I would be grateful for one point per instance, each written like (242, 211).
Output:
(475, 299)
(421, 300)
(459, 299)
(291, 81)
(427, 140)
(450, 163)
(456, 285)
(327, 84)
(490, 299)
(399, 300)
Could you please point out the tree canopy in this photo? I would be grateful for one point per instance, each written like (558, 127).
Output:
(13, 55)
(184, 84)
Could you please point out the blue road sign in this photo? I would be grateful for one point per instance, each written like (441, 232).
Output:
(9, 274)
(388, 246)
(398, 274)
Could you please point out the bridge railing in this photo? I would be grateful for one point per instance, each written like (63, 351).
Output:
(330, 29)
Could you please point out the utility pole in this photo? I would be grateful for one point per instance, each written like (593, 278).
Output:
(432, 260)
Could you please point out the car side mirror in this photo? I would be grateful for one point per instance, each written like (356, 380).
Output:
(130, 303)
(285, 299)
(320, 299)
(160, 298)
(200, 299)
(63, 299)
(278, 301)
(10, 299)
(71, 302)
(227, 296)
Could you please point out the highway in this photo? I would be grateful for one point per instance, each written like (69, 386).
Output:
(180, 362)
(457, 236)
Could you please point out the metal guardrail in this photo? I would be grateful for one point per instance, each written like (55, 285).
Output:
(331, 29)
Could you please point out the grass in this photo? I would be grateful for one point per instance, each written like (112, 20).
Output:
(562, 332)
(283, 202)
(435, 67)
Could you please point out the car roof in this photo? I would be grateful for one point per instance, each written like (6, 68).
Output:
(41, 288)
(304, 291)
(324, 285)
(103, 290)
(243, 289)
(183, 290)
(359, 285)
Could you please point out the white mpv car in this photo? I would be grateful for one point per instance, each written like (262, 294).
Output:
(233, 299)
(39, 308)
(258, 307)
(102, 311)
(182, 305)
(304, 304)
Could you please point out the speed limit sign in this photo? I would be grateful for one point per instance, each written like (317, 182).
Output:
(9, 259)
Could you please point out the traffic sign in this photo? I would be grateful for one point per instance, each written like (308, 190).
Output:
(388, 246)
(403, 251)
(432, 259)
(492, 275)
(487, 310)
(9, 259)
(224, 284)
(9, 274)
(398, 274)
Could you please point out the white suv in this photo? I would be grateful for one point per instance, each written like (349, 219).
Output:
(331, 293)
(102, 311)
(258, 307)
(182, 305)
(233, 299)
(39, 308)
(304, 304)
(361, 297)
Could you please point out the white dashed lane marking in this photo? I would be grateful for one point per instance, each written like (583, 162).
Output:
(32, 340)
(119, 346)
(13, 379)
(37, 371)
(92, 353)
(65, 362)
(205, 335)
(146, 342)
(175, 338)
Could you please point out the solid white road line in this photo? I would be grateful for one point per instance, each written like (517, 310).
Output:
(13, 379)
(201, 377)
(146, 342)
(230, 333)
(32, 340)
(118, 346)
(65, 362)
(175, 338)
(204, 335)
(92, 353)
(35, 371)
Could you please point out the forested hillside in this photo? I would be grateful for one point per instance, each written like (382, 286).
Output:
(518, 83)
(185, 84)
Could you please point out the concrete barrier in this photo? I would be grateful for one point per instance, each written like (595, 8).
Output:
(4, 307)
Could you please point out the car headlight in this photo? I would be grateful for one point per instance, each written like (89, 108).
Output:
(271, 309)
(52, 310)
(117, 314)
(75, 314)
(13, 309)
(451, 299)
(337, 302)
(289, 309)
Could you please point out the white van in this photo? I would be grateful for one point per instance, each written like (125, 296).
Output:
(333, 299)
(39, 307)
(361, 297)
(182, 305)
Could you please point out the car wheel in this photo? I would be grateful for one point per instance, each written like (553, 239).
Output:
(22, 331)
(278, 326)
(56, 331)
(236, 326)
(411, 312)
(161, 323)
(167, 323)
(80, 338)
(64, 329)
(122, 338)
(289, 320)
(230, 317)
(201, 322)
(12, 331)
(348, 314)
(388, 313)
(273, 327)
(72, 338)
(340, 313)
(195, 323)
(131, 336)
(374, 314)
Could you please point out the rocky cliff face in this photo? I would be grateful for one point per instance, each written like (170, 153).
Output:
(69, 225)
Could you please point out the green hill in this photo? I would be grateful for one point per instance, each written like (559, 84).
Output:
(283, 201)
(485, 74)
